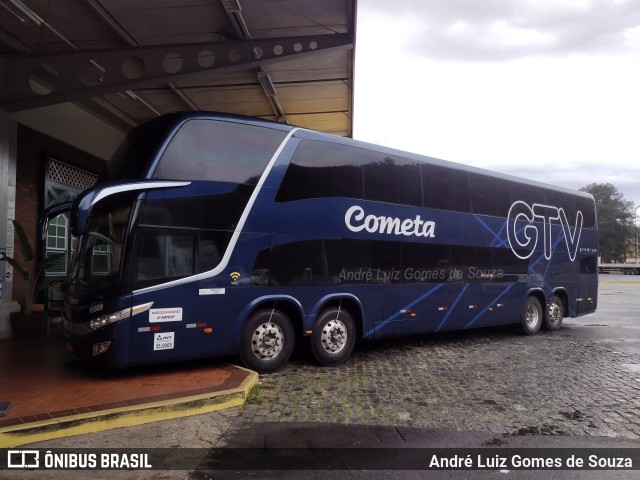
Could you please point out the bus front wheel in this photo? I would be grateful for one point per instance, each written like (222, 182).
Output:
(267, 341)
(334, 336)
(532, 316)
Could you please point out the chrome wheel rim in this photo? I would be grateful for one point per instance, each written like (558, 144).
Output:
(334, 336)
(267, 341)
(555, 313)
(532, 316)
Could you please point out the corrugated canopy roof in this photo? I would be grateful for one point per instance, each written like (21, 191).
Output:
(131, 60)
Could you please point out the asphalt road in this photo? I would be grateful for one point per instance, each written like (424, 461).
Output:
(574, 389)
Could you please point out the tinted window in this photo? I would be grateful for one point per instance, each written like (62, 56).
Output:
(316, 262)
(526, 193)
(588, 209)
(571, 205)
(332, 261)
(323, 169)
(132, 158)
(569, 202)
(425, 263)
(218, 151)
(561, 200)
(490, 195)
(356, 255)
(386, 260)
(420, 256)
(505, 260)
(465, 258)
(97, 263)
(445, 188)
(392, 180)
(211, 248)
(589, 264)
(196, 212)
(162, 255)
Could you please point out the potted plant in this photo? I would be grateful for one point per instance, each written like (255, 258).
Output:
(32, 320)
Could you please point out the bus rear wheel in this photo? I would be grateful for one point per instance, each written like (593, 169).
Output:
(334, 336)
(554, 314)
(532, 316)
(267, 341)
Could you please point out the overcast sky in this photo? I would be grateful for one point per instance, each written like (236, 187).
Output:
(543, 89)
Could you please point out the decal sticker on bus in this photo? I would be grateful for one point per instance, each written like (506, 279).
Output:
(211, 291)
(163, 341)
(357, 220)
(165, 315)
(528, 219)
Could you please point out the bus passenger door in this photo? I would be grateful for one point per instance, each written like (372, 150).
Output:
(162, 259)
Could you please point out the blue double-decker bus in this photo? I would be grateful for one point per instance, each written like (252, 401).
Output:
(222, 235)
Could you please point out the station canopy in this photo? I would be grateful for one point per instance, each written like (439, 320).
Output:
(127, 61)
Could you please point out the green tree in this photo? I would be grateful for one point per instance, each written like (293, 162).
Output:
(615, 220)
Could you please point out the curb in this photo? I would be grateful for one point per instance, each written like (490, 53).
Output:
(81, 424)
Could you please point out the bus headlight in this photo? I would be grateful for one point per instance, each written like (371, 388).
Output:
(104, 320)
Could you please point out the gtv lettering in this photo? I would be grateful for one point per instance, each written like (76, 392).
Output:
(523, 229)
(357, 220)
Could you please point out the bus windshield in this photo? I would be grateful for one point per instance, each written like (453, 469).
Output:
(198, 148)
(131, 160)
(98, 255)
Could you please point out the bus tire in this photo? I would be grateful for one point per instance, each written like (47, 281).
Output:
(334, 336)
(532, 316)
(267, 341)
(554, 314)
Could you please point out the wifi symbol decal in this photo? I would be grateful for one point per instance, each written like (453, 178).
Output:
(234, 277)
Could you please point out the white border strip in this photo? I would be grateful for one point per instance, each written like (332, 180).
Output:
(236, 234)
(135, 186)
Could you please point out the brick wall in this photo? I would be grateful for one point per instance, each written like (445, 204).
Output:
(33, 151)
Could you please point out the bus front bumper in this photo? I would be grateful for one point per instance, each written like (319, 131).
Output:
(106, 347)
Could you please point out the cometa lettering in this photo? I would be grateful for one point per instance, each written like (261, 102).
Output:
(357, 220)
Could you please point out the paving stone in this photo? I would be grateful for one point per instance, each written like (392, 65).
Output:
(488, 380)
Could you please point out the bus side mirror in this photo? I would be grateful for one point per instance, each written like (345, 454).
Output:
(48, 214)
